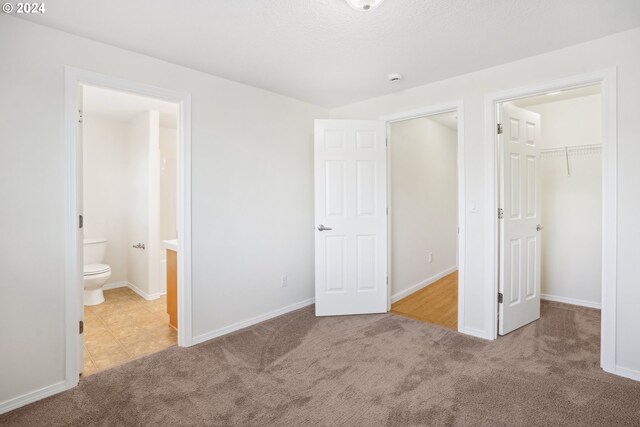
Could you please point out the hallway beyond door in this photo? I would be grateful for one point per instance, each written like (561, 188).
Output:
(436, 303)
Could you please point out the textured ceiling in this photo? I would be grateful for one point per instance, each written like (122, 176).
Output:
(327, 53)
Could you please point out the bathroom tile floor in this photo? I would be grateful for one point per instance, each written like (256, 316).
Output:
(124, 327)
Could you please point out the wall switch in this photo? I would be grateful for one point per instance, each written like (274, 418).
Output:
(283, 281)
(430, 257)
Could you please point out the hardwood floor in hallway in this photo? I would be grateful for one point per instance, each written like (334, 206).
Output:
(436, 303)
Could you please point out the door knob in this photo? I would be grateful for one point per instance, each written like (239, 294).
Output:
(539, 227)
(323, 228)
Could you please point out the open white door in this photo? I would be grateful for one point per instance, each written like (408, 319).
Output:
(520, 224)
(350, 217)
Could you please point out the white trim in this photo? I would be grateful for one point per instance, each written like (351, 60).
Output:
(74, 282)
(415, 288)
(134, 288)
(627, 373)
(143, 294)
(474, 332)
(25, 399)
(423, 112)
(115, 285)
(252, 321)
(458, 107)
(607, 80)
(572, 301)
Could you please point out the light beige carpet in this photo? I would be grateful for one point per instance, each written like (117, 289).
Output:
(360, 371)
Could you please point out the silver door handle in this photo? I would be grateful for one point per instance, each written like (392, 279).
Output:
(539, 227)
(323, 228)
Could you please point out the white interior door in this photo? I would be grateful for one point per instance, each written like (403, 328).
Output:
(350, 217)
(520, 224)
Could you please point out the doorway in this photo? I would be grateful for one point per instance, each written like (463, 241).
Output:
(606, 83)
(140, 240)
(423, 221)
(550, 214)
(129, 194)
(353, 216)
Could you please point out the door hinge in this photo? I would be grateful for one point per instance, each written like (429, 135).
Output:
(80, 221)
(387, 211)
(499, 128)
(500, 297)
(81, 326)
(387, 280)
(79, 116)
(500, 213)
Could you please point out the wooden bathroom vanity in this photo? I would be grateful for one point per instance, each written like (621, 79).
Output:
(172, 282)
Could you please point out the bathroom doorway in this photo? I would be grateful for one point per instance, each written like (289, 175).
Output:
(129, 201)
(129, 157)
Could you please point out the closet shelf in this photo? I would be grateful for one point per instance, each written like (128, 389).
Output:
(574, 149)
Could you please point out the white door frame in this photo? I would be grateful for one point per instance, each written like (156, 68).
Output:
(458, 107)
(607, 80)
(74, 283)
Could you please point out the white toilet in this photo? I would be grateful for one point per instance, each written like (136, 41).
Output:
(96, 274)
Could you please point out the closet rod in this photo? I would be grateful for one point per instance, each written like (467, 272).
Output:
(574, 148)
(571, 148)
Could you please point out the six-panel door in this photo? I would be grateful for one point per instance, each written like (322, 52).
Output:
(520, 200)
(350, 217)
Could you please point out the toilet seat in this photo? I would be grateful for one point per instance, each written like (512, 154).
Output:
(93, 269)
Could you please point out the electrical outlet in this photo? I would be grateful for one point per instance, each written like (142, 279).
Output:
(430, 257)
(283, 281)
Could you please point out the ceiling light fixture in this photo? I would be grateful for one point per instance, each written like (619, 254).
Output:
(364, 4)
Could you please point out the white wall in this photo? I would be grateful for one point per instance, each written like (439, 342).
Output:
(621, 51)
(168, 183)
(238, 175)
(571, 205)
(143, 206)
(570, 122)
(105, 179)
(423, 190)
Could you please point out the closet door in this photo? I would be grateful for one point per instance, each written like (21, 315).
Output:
(520, 218)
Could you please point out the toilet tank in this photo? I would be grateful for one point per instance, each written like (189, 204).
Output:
(94, 250)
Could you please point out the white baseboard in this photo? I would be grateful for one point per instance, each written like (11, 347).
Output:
(474, 333)
(143, 294)
(250, 322)
(402, 294)
(115, 285)
(572, 301)
(627, 373)
(31, 397)
(134, 288)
